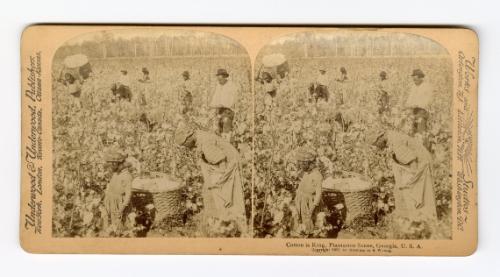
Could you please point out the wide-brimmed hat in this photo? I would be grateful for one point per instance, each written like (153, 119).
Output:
(222, 72)
(114, 155)
(305, 154)
(185, 73)
(182, 133)
(124, 71)
(418, 72)
(145, 70)
(343, 70)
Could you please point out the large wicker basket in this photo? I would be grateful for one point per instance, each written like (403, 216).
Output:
(165, 192)
(357, 191)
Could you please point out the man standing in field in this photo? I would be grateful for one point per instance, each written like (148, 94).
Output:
(341, 87)
(186, 93)
(270, 88)
(383, 94)
(224, 101)
(143, 94)
(145, 76)
(321, 89)
(419, 101)
(121, 89)
(343, 75)
(73, 85)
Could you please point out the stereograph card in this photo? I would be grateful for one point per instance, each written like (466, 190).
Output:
(249, 140)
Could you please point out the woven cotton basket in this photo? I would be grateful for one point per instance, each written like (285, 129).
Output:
(167, 204)
(166, 193)
(358, 194)
(358, 204)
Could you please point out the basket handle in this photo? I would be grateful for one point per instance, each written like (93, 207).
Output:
(355, 174)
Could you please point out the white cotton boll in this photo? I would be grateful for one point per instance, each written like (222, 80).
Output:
(260, 185)
(87, 217)
(96, 202)
(380, 204)
(320, 219)
(266, 129)
(269, 200)
(339, 206)
(131, 216)
(278, 216)
(241, 128)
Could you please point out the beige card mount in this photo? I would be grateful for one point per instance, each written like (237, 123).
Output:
(249, 140)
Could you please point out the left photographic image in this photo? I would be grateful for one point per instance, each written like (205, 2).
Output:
(152, 135)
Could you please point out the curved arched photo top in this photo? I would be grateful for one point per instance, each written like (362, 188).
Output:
(335, 112)
(359, 54)
(355, 43)
(150, 44)
(162, 43)
(150, 99)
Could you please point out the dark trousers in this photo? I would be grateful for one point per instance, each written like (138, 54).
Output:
(226, 117)
(122, 91)
(321, 92)
(421, 117)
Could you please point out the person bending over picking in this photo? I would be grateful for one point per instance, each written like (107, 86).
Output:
(220, 166)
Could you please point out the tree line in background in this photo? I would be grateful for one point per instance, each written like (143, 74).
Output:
(309, 44)
(302, 45)
(107, 45)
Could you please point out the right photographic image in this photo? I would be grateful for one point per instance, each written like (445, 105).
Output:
(353, 133)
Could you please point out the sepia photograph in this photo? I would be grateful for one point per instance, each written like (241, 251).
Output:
(151, 135)
(353, 133)
(249, 140)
